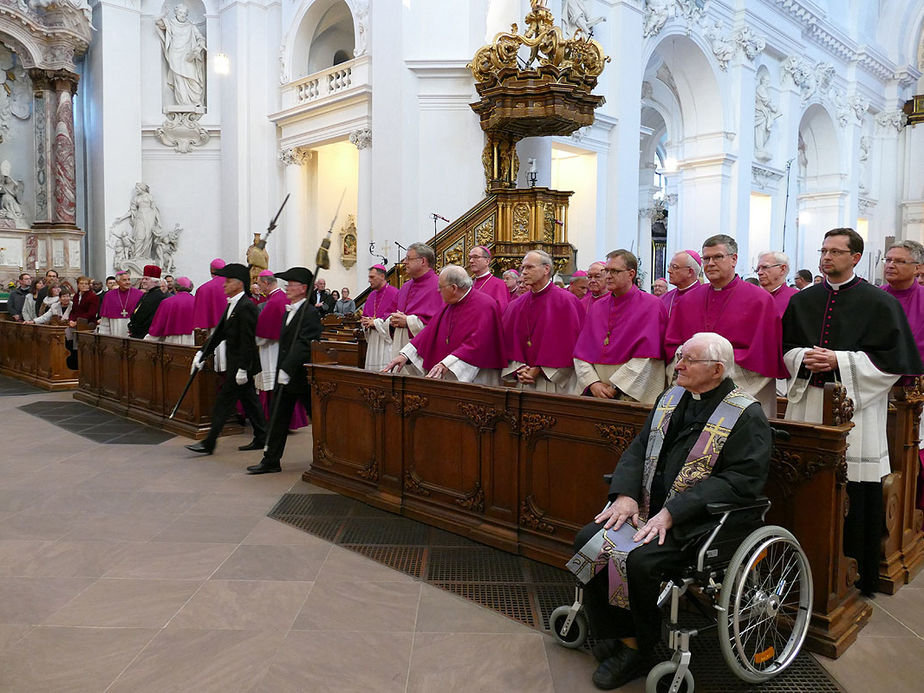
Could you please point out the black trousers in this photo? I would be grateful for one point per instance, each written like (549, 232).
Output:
(645, 568)
(229, 393)
(864, 529)
(276, 443)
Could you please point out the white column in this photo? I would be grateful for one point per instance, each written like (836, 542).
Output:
(362, 138)
(743, 79)
(621, 36)
(293, 226)
(112, 97)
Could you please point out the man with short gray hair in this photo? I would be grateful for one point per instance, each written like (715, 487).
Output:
(541, 328)
(463, 341)
(903, 261)
(418, 299)
(772, 270)
(742, 313)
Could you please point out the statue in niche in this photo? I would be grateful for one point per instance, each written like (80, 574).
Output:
(576, 18)
(184, 50)
(864, 162)
(803, 157)
(10, 190)
(765, 114)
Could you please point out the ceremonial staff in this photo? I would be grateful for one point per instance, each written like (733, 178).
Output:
(192, 376)
(322, 261)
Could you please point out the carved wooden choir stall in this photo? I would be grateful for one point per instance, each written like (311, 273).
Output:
(36, 354)
(143, 381)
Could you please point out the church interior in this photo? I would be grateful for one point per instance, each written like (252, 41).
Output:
(417, 535)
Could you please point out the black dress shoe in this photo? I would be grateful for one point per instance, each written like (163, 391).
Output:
(604, 649)
(264, 468)
(201, 447)
(252, 445)
(625, 666)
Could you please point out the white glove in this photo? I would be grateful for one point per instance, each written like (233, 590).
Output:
(197, 363)
(284, 378)
(241, 376)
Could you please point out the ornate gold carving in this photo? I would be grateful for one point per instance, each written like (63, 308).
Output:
(842, 405)
(474, 500)
(484, 232)
(617, 436)
(483, 418)
(414, 402)
(548, 222)
(914, 391)
(374, 397)
(520, 222)
(500, 160)
(533, 423)
(531, 517)
(577, 61)
(454, 254)
(324, 389)
(414, 484)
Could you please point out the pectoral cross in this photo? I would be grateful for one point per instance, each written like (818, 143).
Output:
(607, 340)
(529, 342)
(124, 313)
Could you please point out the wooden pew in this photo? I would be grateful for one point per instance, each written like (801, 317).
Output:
(523, 471)
(343, 342)
(36, 354)
(903, 545)
(143, 381)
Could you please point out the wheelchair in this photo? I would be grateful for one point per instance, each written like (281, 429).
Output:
(751, 581)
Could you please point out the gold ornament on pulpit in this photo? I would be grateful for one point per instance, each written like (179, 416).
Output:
(348, 242)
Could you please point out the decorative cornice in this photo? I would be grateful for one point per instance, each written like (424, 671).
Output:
(762, 176)
(892, 120)
(296, 156)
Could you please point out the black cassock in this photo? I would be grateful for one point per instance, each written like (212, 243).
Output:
(143, 316)
(856, 317)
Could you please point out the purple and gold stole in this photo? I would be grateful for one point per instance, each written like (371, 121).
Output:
(610, 548)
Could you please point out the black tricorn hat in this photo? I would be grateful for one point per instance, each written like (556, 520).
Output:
(302, 275)
(235, 270)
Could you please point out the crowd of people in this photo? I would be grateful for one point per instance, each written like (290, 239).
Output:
(713, 352)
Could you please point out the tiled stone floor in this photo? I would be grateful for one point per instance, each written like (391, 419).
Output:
(134, 568)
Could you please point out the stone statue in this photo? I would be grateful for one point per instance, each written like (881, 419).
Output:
(803, 157)
(257, 257)
(657, 12)
(10, 190)
(864, 162)
(144, 219)
(723, 48)
(184, 50)
(765, 114)
(575, 18)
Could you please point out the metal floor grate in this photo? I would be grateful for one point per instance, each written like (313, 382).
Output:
(95, 424)
(519, 588)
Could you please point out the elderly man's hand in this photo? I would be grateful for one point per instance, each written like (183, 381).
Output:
(438, 371)
(655, 527)
(622, 509)
(398, 362)
(527, 375)
(367, 321)
(398, 319)
(819, 360)
(602, 390)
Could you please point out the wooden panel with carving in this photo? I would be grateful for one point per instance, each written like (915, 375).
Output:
(36, 354)
(87, 354)
(145, 396)
(567, 444)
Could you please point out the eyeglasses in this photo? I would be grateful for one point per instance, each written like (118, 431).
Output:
(674, 267)
(610, 270)
(411, 259)
(764, 268)
(835, 252)
(682, 358)
(714, 258)
(892, 261)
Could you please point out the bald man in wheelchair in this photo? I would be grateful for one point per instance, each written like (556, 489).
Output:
(705, 441)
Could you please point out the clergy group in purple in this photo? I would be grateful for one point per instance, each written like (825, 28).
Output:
(618, 342)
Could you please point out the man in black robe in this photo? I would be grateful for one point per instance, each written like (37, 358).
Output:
(237, 329)
(300, 326)
(627, 638)
(845, 330)
(144, 312)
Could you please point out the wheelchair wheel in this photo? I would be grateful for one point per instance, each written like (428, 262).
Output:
(576, 634)
(766, 604)
(662, 675)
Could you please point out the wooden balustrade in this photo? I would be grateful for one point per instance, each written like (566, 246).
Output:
(143, 380)
(523, 471)
(36, 354)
